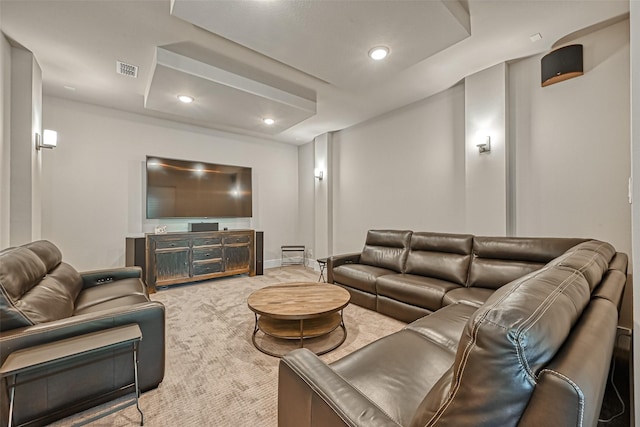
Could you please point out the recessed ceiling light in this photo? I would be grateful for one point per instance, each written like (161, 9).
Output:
(268, 121)
(379, 52)
(185, 98)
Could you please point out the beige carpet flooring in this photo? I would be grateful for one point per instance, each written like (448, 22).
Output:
(214, 375)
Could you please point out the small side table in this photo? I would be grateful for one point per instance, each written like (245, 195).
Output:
(322, 263)
(40, 356)
(292, 248)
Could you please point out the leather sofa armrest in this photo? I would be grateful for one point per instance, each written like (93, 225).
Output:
(150, 316)
(100, 277)
(338, 260)
(310, 393)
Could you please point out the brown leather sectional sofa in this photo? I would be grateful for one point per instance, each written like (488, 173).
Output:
(504, 332)
(44, 300)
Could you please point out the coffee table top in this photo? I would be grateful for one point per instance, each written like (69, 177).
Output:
(298, 300)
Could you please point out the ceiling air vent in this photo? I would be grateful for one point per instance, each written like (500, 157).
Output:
(126, 69)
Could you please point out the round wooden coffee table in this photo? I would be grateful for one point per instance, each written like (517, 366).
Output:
(297, 311)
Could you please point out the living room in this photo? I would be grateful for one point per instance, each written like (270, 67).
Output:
(559, 163)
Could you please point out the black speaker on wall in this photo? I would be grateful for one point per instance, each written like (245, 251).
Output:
(562, 64)
(203, 226)
(259, 253)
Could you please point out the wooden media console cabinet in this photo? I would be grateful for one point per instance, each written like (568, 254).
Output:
(175, 258)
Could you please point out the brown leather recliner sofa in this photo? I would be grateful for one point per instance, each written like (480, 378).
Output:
(43, 300)
(509, 331)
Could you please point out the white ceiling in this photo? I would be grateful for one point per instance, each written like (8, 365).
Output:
(330, 39)
(302, 62)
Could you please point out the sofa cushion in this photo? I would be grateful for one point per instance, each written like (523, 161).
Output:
(47, 252)
(499, 260)
(445, 326)
(35, 286)
(386, 249)
(20, 270)
(399, 310)
(495, 273)
(569, 390)
(472, 296)
(439, 255)
(123, 301)
(420, 291)
(53, 297)
(99, 295)
(532, 249)
(394, 373)
(504, 346)
(359, 276)
(591, 258)
(611, 287)
(620, 261)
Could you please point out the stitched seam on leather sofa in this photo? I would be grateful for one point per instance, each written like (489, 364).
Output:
(323, 396)
(465, 357)
(13, 305)
(592, 260)
(472, 343)
(474, 255)
(529, 322)
(578, 392)
(542, 309)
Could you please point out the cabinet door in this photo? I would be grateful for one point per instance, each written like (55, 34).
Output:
(171, 265)
(237, 257)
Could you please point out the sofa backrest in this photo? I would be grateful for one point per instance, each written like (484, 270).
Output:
(510, 339)
(591, 258)
(499, 260)
(439, 255)
(35, 285)
(386, 248)
(570, 389)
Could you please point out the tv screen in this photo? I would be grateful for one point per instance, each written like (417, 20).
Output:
(191, 189)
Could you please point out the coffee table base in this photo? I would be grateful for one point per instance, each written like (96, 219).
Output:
(299, 330)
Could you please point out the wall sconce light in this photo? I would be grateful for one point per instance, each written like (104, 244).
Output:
(485, 147)
(318, 173)
(49, 139)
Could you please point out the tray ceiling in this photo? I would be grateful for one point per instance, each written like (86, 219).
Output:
(223, 95)
(304, 63)
(330, 39)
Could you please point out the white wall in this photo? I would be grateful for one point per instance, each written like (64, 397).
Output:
(486, 173)
(25, 162)
(306, 202)
(406, 169)
(402, 170)
(635, 156)
(94, 190)
(5, 145)
(572, 144)
(322, 197)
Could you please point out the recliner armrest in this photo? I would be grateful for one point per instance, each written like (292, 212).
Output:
(311, 394)
(149, 316)
(338, 260)
(100, 277)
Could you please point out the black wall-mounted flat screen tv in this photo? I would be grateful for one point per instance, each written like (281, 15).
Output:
(191, 189)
